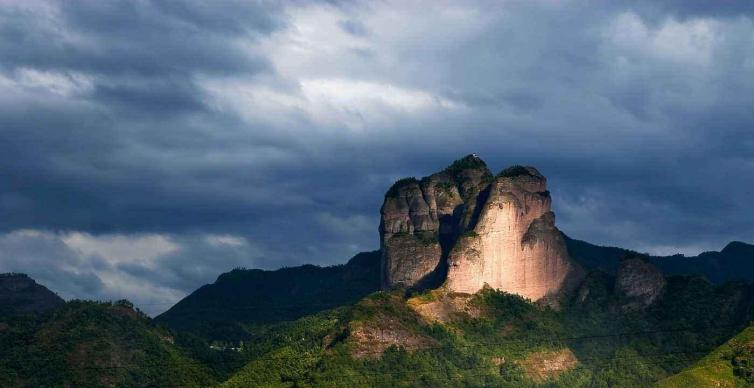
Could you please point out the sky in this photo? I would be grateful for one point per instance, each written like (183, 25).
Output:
(148, 146)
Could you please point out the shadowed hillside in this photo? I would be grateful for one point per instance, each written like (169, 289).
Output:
(20, 294)
(89, 344)
(734, 262)
(223, 310)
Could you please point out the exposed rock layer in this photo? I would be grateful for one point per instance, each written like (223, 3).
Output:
(421, 220)
(468, 229)
(544, 365)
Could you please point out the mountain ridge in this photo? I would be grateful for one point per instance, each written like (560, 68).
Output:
(20, 294)
(395, 317)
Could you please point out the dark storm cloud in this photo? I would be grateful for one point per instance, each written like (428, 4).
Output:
(695, 8)
(283, 125)
(133, 38)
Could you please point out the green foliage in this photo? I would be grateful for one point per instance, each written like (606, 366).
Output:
(732, 263)
(424, 238)
(239, 301)
(94, 344)
(466, 163)
(496, 340)
(445, 187)
(509, 329)
(730, 365)
(399, 184)
(742, 360)
(514, 171)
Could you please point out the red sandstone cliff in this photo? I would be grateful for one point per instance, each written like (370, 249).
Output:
(469, 229)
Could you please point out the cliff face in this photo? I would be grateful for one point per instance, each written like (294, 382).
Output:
(420, 221)
(514, 246)
(469, 229)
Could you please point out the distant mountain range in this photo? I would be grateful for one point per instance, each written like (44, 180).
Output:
(734, 262)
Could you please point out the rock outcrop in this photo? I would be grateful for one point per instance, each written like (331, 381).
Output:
(421, 220)
(469, 229)
(545, 365)
(639, 281)
(514, 246)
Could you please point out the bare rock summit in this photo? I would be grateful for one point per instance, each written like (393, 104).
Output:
(421, 219)
(466, 229)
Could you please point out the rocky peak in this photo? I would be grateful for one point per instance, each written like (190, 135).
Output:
(420, 219)
(640, 281)
(514, 245)
(466, 228)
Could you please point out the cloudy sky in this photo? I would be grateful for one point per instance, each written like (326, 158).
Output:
(147, 146)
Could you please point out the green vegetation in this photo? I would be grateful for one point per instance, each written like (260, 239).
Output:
(310, 326)
(730, 365)
(445, 188)
(88, 344)
(424, 237)
(399, 184)
(239, 302)
(466, 163)
(732, 263)
(493, 339)
(384, 341)
(514, 171)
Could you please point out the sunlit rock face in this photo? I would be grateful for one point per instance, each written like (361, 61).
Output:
(514, 246)
(420, 221)
(467, 229)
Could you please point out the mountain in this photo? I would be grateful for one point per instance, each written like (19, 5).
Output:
(438, 338)
(459, 215)
(734, 262)
(422, 219)
(730, 365)
(237, 300)
(473, 286)
(432, 307)
(20, 294)
(463, 228)
(88, 344)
